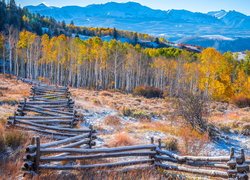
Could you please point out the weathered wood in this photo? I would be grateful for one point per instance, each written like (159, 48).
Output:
(48, 110)
(45, 112)
(66, 106)
(193, 158)
(106, 165)
(100, 150)
(38, 154)
(45, 131)
(165, 158)
(97, 156)
(54, 127)
(69, 122)
(31, 148)
(214, 173)
(49, 102)
(42, 117)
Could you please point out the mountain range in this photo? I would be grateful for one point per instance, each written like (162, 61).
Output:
(178, 25)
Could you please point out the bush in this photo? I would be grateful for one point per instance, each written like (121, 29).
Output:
(193, 141)
(112, 121)
(14, 138)
(106, 93)
(171, 144)
(121, 139)
(126, 111)
(140, 114)
(241, 101)
(148, 92)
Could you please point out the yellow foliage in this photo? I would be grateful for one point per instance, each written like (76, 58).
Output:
(215, 75)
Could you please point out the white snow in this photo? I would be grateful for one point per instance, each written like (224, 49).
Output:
(217, 37)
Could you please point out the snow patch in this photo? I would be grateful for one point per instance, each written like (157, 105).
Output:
(217, 37)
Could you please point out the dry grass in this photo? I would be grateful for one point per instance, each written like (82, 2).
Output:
(14, 138)
(106, 93)
(193, 142)
(158, 126)
(241, 101)
(2, 139)
(12, 90)
(124, 103)
(112, 121)
(171, 143)
(142, 173)
(121, 139)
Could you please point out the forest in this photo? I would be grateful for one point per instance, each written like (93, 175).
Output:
(14, 17)
(95, 64)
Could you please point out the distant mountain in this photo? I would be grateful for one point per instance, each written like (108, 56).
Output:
(217, 14)
(219, 42)
(135, 17)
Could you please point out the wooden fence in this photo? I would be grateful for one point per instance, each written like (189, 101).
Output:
(56, 118)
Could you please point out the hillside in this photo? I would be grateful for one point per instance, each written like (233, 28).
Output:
(172, 24)
(108, 111)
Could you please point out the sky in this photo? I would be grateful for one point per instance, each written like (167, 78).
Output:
(191, 5)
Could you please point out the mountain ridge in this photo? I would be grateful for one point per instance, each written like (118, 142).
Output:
(131, 16)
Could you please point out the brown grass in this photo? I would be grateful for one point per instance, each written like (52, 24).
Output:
(158, 126)
(14, 138)
(193, 142)
(12, 90)
(121, 139)
(241, 101)
(112, 120)
(171, 143)
(2, 139)
(106, 93)
(137, 173)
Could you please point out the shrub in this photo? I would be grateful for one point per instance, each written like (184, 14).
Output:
(14, 138)
(148, 92)
(126, 111)
(140, 114)
(241, 101)
(106, 93)
(171, 144)
(112, 121)
(96, 102)
(193, 141)
(121, 139)
(246, 129)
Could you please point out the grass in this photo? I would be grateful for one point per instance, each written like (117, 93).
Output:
(2, 139)
(11, 138)
(241, 101)
(112, 120)
(193, 142)
(170, 143)
(135, 172)
(121, 139)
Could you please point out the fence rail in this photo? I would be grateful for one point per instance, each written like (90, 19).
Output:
(56, 118)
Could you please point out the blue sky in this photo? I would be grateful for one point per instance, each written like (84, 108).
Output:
(192, 5)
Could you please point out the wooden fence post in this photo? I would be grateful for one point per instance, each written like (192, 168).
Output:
(241, 167)
(159, 143)
(152, 142)
(232, 165)
(38, 154)
(90, 136)
(14, 120)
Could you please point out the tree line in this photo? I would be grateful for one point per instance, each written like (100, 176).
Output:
(97, 64)
(17, 18)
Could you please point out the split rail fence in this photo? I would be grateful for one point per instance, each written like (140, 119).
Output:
(55, 118)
